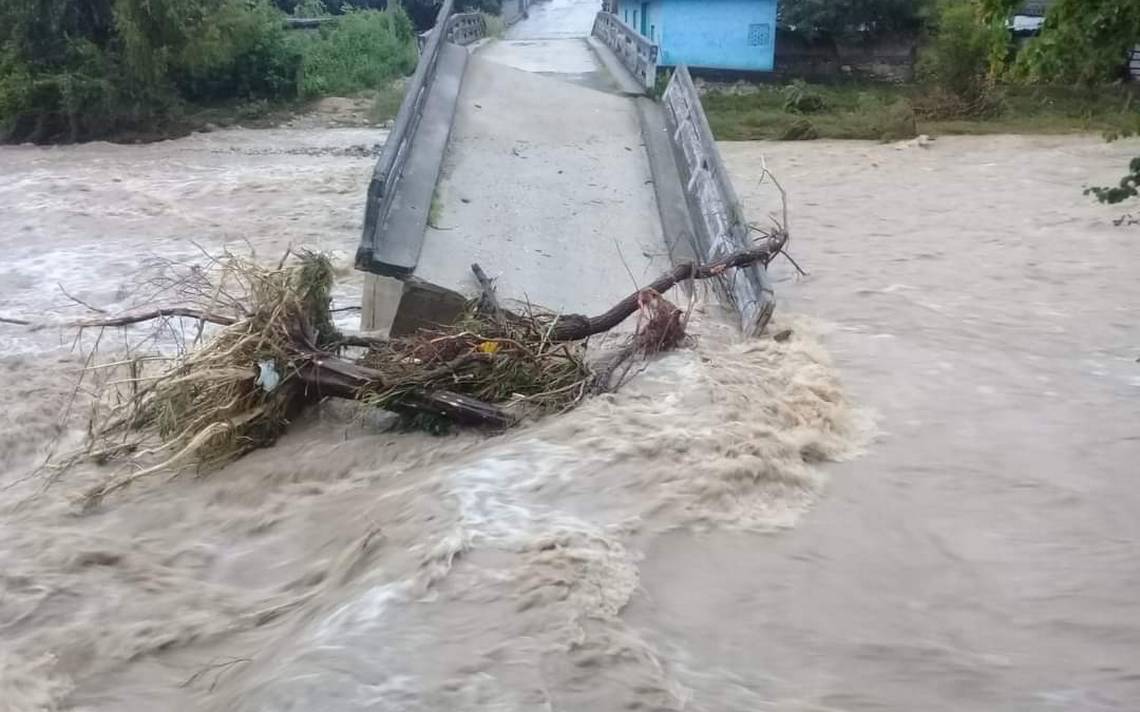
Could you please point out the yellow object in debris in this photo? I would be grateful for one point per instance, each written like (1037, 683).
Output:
(489, 347)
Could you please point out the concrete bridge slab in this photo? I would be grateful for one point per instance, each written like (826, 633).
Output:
(569, 60)
(556, 18)
(547, 185)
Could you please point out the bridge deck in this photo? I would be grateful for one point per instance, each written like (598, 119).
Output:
(546, 182)
(556, 18)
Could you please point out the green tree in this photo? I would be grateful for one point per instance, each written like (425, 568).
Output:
(55, 75)
(1081, 42)
(999, 10)
(362, 51)
(956, 59)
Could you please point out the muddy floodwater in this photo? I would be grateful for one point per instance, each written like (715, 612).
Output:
(925, 499)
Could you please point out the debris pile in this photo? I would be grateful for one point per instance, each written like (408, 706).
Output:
(257, 344)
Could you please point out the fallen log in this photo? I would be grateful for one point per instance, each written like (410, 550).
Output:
(325, 375)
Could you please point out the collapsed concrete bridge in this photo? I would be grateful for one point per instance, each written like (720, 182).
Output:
(542, 156)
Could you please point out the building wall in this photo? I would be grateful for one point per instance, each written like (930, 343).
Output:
(654, 21)
(889, 59)
(714, 34)
(642, 15)
(634, 12)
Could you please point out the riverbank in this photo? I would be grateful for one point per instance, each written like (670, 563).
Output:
(887, 112)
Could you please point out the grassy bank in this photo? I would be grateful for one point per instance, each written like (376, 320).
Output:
(889, 112)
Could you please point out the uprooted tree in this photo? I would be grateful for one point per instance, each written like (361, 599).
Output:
(257, 344)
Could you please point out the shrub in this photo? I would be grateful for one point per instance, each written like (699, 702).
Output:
(70, 101)
(800, 130)
(361, 51)
(895, 121)
(1082, 42)
(955, 63)
(204, 50)
(79, 69)
(881, 119)
(310, 8)
(388, 100)
(247, 54)
(56, 77)
(1129, 186)
(799, 98)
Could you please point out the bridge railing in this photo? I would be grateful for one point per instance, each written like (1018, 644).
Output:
(719, 221)
(465, 28)
(462, 29)
(636, 52)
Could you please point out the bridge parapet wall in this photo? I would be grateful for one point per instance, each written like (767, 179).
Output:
(720, 225)
(635, 52)
(396, 254)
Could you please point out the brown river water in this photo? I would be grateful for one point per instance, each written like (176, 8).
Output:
(924, 500)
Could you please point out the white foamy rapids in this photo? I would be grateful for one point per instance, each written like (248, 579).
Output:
(28, 683)
(518, 598)
(345, 568)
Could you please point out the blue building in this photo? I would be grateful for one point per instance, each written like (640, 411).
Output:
(712, 34)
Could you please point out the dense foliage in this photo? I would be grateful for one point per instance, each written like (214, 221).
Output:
(77, 69)
(1082, 42)
(358, 50)
(955, 62)
(423, 12)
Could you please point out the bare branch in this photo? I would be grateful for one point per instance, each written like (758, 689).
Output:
(795, 264)
(128, 319)
(488, 301)
(573, 327)
(79, 301)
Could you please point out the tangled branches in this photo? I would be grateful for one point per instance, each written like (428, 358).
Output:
(261, 346)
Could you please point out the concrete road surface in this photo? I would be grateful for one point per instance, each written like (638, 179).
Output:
(546, 183)
(557, 18)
